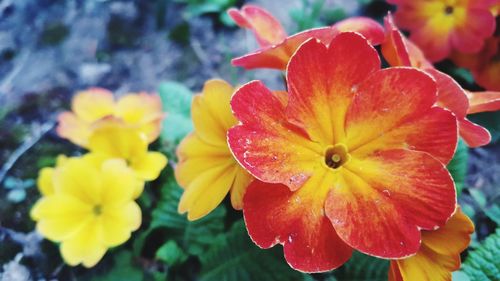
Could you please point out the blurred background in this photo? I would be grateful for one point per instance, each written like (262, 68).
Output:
(49, 49)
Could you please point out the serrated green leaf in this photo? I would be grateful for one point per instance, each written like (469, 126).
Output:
(363, 267)
(123, 269)
(171, 254)
(176, 99)
(193, 237)
(483, 263)
(458, 166)
(236, 258)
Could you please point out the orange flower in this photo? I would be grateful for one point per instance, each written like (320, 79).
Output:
(142, 111)
(352, 158)
(277, 48)
(485, 65)
(207, 169)
(399, 51)
(439, 254)
(440, 26)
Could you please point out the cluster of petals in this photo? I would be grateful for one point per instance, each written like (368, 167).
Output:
(329, 181)
(206, 169)
(141, 111)
(439, 27)
(87, 208)
(87, 202)
(399, 51)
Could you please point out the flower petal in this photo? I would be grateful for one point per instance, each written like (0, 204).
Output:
(74, 129)
(79, 178)
(119, 183)
(142, 110)
(211, 113)
(45, 181)
(450, 94)
(269, 147)
(207, 190)
(320, 80)
(277, 56)
(483, 101)
(85, 246)
(468, 37)
(93, 104)
(241, 182)
(439, 254)
(274, 214)
(394, 48)
(118, 222)
(150, 165)
(60, 216)
(388, 98)
(434, 132)
(387, 198)
(473, 134)
(267, 29)
(365, 26)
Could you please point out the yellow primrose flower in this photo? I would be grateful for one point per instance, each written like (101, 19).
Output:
(87, 208)
(112, 138)
(207, 170)
(142, 111)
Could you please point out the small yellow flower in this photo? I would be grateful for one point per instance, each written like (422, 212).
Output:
(113, 138)
(87, 208)
(207, 170)
(142, 111)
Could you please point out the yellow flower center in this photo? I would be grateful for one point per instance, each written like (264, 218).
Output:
(336, 156)
(448, 10)
(97, 210)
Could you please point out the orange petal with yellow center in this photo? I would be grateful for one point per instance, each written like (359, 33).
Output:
(321, 81)
(386, 198)
(269, 147)
(274, 214)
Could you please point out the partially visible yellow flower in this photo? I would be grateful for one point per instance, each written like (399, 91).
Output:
(142, 111)
(207, 170)
(439, 254)
(87, 208)
(112, 138)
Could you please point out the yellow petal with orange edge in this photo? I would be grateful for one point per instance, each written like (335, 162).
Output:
(115, 139)
(60, 216)
(207, 191)
(118, 223)
(119, 183)
(196, 156)
(149, 166)
(211, 113)
(45, 181)
(85, 246)
(74, 129)
(93, 104)
(241, 181)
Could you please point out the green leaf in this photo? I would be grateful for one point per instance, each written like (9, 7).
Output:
(236, 258)
(193, 237)
(458, 166)
(171, 254)
(123, 269)
(363, 267)
(483, 263)
(176, 100)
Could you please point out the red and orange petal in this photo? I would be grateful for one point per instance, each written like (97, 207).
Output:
(398, 50)
(277, 56)
(274, 214)
(483, 101)
(267, 29)
(439, 254)
(321, 80)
